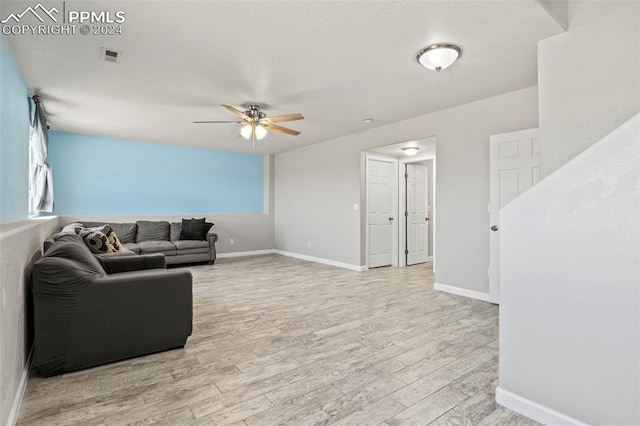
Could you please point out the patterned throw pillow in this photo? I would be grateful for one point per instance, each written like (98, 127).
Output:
(101, 240)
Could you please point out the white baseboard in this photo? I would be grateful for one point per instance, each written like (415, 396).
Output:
(324, 261)
(22, 387)
(533, 410)
(462, 292)
(244, 253)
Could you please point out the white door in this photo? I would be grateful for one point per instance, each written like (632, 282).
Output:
(379, 208)
(417, 214)
(514, 167)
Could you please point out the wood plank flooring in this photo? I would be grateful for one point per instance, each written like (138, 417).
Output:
(283, 341)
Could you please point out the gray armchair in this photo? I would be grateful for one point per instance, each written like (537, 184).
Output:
(85, 316)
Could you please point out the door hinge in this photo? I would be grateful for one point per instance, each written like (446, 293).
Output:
(406, 252)
(406, 214)
(406, 175)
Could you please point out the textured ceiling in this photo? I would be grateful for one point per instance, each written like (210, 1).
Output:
(336, 62)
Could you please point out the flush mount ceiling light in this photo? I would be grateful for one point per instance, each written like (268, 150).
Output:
(439, 56)
(410, 150)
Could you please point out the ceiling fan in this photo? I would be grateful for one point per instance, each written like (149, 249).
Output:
(256, 123)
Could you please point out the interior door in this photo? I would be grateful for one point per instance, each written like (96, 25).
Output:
(379, 208)
(417, 214)
(514, 167)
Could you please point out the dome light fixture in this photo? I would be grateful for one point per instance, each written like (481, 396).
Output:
(410, 150)
(439, 56)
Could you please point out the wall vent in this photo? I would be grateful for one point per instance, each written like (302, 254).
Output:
(110, 55)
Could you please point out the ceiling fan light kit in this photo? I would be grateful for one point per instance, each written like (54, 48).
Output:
(257, 124)
(439, 56)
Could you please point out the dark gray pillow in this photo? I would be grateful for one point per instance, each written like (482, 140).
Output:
(152, 231)
(205, 229)
(192, 229)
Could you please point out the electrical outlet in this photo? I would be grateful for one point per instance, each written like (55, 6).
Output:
(231, 241)
(309, 244)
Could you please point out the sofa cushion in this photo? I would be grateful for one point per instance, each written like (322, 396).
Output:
(152, 231)
(192, 229)
(174, 232)
(192, 246)
(132, 246)
(73, 262)
(165, 247)
(126, 231)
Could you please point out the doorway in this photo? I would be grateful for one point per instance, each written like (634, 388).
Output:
(412, 236)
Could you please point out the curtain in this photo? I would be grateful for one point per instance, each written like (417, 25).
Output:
(41, 176)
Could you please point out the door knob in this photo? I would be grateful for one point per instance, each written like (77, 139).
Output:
(494, 228)
(390, 219)
(426, 219)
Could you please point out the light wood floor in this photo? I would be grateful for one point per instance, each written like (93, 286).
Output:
(283, 341)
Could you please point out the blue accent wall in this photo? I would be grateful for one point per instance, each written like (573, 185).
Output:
(95, 175)
(14, 138)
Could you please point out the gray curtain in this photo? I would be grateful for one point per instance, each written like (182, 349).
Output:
(41, 176)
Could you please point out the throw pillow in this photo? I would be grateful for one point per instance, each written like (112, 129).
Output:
(205, 229)
(101, 240)
(192, 229)
(71, 228)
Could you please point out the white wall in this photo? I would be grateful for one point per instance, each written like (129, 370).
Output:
(316, 186)
(570, 288)
(20, 246)
(570, 251)
(589, 80)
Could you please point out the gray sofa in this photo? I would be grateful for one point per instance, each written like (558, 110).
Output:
(149, 237)
(91, 310)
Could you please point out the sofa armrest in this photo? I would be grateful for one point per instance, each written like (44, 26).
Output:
(112, 317)
(116, 264)
(146, 305)
(212, 237)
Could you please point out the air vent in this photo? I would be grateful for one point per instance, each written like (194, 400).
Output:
(110, 55)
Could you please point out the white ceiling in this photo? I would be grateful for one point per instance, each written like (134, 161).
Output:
(425, 146)
(336, 62)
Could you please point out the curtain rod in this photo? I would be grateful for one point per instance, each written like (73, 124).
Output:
(37, 100)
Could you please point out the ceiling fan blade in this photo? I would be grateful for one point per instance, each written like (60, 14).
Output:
(280, 129)
(238, 113)
(283, 118)
(200, 122)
